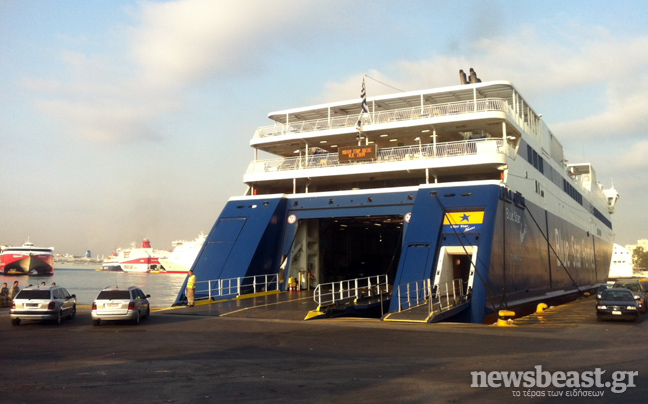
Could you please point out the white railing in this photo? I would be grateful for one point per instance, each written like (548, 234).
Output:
(381, 117)
(438, 298)
(387, 155)
(327, 294)
(447, 295)
(413, 294)
(219, 288)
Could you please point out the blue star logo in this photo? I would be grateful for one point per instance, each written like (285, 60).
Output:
(465, 218)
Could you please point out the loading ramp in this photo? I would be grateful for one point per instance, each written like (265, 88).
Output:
(423, 302)
(359, 296)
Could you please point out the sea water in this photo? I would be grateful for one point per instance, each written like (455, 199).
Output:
(86, 283)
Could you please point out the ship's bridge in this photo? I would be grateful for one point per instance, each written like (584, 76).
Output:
(452, 134)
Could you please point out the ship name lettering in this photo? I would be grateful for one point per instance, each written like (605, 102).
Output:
(513, 216)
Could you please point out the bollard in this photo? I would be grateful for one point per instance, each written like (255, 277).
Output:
(541, 308)
(505, 318)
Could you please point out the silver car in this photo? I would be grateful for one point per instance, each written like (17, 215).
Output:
(112, 303)
(50, 304)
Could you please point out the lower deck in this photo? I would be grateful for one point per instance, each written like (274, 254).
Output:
(439, 245)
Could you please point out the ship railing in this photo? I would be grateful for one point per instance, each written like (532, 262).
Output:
(328, 294)
(447, 295)
(381, 117)
(437, 298)
(386, 155)
(221, 288)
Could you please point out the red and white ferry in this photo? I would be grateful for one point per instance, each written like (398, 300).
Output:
(27, 259)
(143, 259)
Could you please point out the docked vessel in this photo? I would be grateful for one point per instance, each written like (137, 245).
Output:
(142, 259)
(460, 197)
(27, 259)
(183, 255)
(112, 261)
(621, 266)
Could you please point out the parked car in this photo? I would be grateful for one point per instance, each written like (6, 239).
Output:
(43, 304)
(112, 303)
(617, 304)
(639, 287)
(600, 290)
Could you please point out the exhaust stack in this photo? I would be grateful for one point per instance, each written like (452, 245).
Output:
(462, 77)
(473, 77)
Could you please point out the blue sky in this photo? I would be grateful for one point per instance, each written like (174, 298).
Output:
(121, 120)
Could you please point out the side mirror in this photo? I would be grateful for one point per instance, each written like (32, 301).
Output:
(147, 296)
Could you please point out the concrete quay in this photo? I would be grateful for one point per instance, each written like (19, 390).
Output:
(197, 355)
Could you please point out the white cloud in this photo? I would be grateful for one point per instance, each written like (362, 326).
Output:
(115, 97)
(557, 65)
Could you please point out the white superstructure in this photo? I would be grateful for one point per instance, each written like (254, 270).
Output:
(183, 255)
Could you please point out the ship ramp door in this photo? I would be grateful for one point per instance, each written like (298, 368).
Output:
(326, 250)
(456, 262)
(346, 250)
(446, 295)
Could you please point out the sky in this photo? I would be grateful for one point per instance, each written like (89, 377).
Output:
(121, 120)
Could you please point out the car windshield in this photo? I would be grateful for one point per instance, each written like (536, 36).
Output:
(630, 286)
(33, 294)
(618, 295)
(113, 294)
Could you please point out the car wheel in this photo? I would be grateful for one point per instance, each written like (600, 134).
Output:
(59, 317)
(96, 322)
(148, 312)
(15, 321)
(599, 318)
(73, 312)
(645, 309)
(638, 318)
(136, 320)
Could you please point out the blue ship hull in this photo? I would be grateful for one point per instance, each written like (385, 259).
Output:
(524, 254)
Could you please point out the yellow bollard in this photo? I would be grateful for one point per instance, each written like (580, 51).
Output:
(541, 308)
(505, 318)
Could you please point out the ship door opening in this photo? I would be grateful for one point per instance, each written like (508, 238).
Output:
(456, 263)
(335, 249)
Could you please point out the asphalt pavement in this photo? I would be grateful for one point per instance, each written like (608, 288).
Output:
(194, 355)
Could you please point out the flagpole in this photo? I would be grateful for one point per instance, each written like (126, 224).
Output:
(364, 110)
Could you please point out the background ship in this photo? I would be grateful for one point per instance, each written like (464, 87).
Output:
(111, 262)
(450, 203)
(27, 259)
(183, 255)
(136, 259)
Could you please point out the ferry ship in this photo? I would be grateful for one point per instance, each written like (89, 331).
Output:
(27, 259)
(183, 255)
(111, 262)
(142, 259)
(621, 266)
(458, 200)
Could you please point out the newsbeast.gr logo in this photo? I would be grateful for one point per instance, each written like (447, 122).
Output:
(531, 380)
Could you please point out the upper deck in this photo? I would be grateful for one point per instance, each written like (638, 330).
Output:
(454, 133)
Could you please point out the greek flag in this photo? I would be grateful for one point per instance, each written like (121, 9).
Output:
(363, 95)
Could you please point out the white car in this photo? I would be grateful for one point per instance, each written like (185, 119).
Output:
(50, 304)
(112, 303)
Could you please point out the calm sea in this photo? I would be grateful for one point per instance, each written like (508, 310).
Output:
(86, 283)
